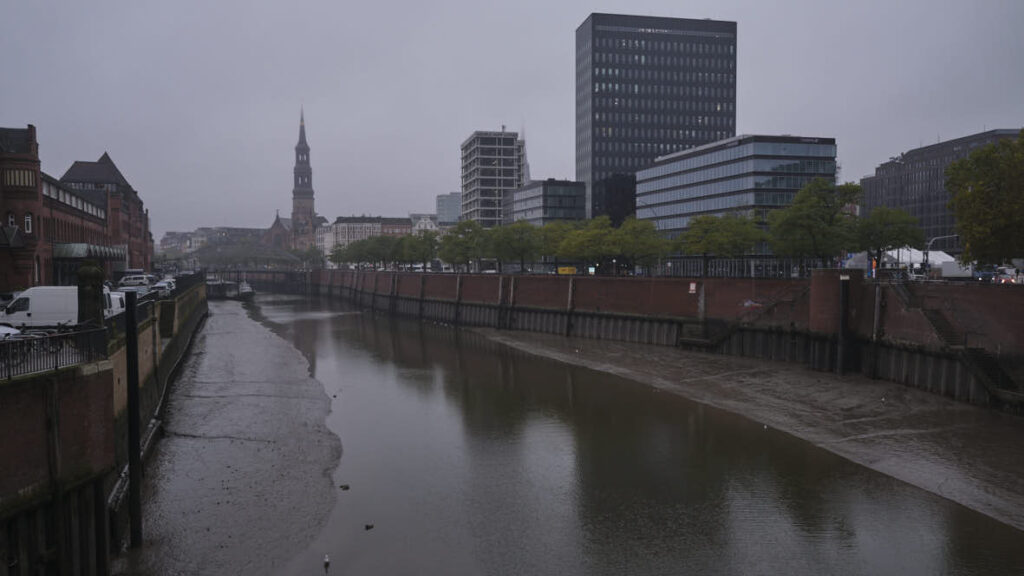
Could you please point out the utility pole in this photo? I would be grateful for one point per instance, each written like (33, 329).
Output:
(131, 331)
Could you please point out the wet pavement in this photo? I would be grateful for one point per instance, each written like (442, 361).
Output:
(463, 455)
(245, 446)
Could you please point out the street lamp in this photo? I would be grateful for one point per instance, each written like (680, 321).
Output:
(928, 248)
(615, 268)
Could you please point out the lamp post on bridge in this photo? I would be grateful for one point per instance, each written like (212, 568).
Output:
(928, 248)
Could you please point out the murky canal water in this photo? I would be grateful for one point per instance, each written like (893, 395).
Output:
(467, 458)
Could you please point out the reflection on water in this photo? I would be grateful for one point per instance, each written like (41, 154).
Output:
(469, 458)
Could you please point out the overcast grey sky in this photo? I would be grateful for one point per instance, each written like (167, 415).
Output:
(198, 102)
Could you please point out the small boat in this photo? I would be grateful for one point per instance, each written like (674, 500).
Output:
(245, 291)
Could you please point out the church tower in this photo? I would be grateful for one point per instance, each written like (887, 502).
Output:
(303, 215)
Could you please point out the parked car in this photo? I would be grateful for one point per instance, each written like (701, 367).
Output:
(139, 290)
(163, 289)
(984, 274)
(134, 280)
(1005, 275)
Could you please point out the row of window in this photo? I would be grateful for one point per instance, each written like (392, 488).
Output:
(77, 202)
(670, 105)
(689, 76)
(19, 178)
(58, 230)
(662, 134)
(665, 45)
(667, 62)
(657, 90)
(737, 184)
(823, 168)
(736, 152)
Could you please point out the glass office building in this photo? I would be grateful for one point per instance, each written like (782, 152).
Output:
(449, 208)
(646, 87)
(749, 174)
(543, 201)
(915, 182)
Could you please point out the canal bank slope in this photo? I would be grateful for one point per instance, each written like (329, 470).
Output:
(967, 454)
(242, 480)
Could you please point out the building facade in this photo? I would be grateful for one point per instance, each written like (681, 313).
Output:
(646, 87)
(492, 167)
(127, 218)
(449, 208)
(303, 221)
(50, 227)
(915, 182)
(348, 229)
(544, 201)
(747, 174)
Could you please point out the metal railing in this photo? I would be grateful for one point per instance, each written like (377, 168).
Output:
(38, 351)
(743, 267)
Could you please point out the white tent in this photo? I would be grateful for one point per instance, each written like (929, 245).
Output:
(907, 256)
(899, 258)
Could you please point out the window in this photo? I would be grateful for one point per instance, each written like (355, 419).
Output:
(19, 305)
(28, 222)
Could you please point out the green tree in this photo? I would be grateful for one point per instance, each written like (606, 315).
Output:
(725, 236)
(593, 243)
(462, 244)
(310, 257)
(639, 243)
(987, 190)
(422, 247)
(518, 241)
(818, 223)
(886, 229)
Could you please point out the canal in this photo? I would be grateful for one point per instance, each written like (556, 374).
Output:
(301, 428)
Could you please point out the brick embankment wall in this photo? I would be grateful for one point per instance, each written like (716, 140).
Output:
(898, 333)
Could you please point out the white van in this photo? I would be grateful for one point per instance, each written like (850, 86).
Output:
(113, 304)
(41, 306)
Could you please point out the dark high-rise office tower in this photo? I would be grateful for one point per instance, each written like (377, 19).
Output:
(647, 87)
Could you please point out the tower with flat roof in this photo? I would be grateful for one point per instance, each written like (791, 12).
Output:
(646, 87)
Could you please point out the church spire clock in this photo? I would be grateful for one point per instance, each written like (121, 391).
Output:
(303, 214)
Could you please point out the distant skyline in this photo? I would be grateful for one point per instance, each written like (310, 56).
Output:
(198, 104)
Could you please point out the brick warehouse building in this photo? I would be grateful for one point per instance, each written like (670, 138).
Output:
(51, 226)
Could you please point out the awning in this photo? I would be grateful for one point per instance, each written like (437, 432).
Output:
(80, 251)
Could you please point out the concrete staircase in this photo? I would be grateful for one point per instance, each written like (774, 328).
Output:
(949, 335)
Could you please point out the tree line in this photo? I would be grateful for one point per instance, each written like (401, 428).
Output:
(818, 224)
(987, 200)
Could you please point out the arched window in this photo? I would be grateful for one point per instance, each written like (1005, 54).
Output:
(28, 222)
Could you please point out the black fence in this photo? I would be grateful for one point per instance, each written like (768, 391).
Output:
(183, 282)
(42, 351)
(744, 267)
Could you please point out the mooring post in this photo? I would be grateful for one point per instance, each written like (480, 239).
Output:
(844, 305)
(131, 331)
(570, 306)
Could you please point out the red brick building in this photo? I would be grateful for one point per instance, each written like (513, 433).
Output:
(51, 226)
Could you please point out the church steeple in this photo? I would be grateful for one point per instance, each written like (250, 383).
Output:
(302, 128)
(303, 171)
(303, 213)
